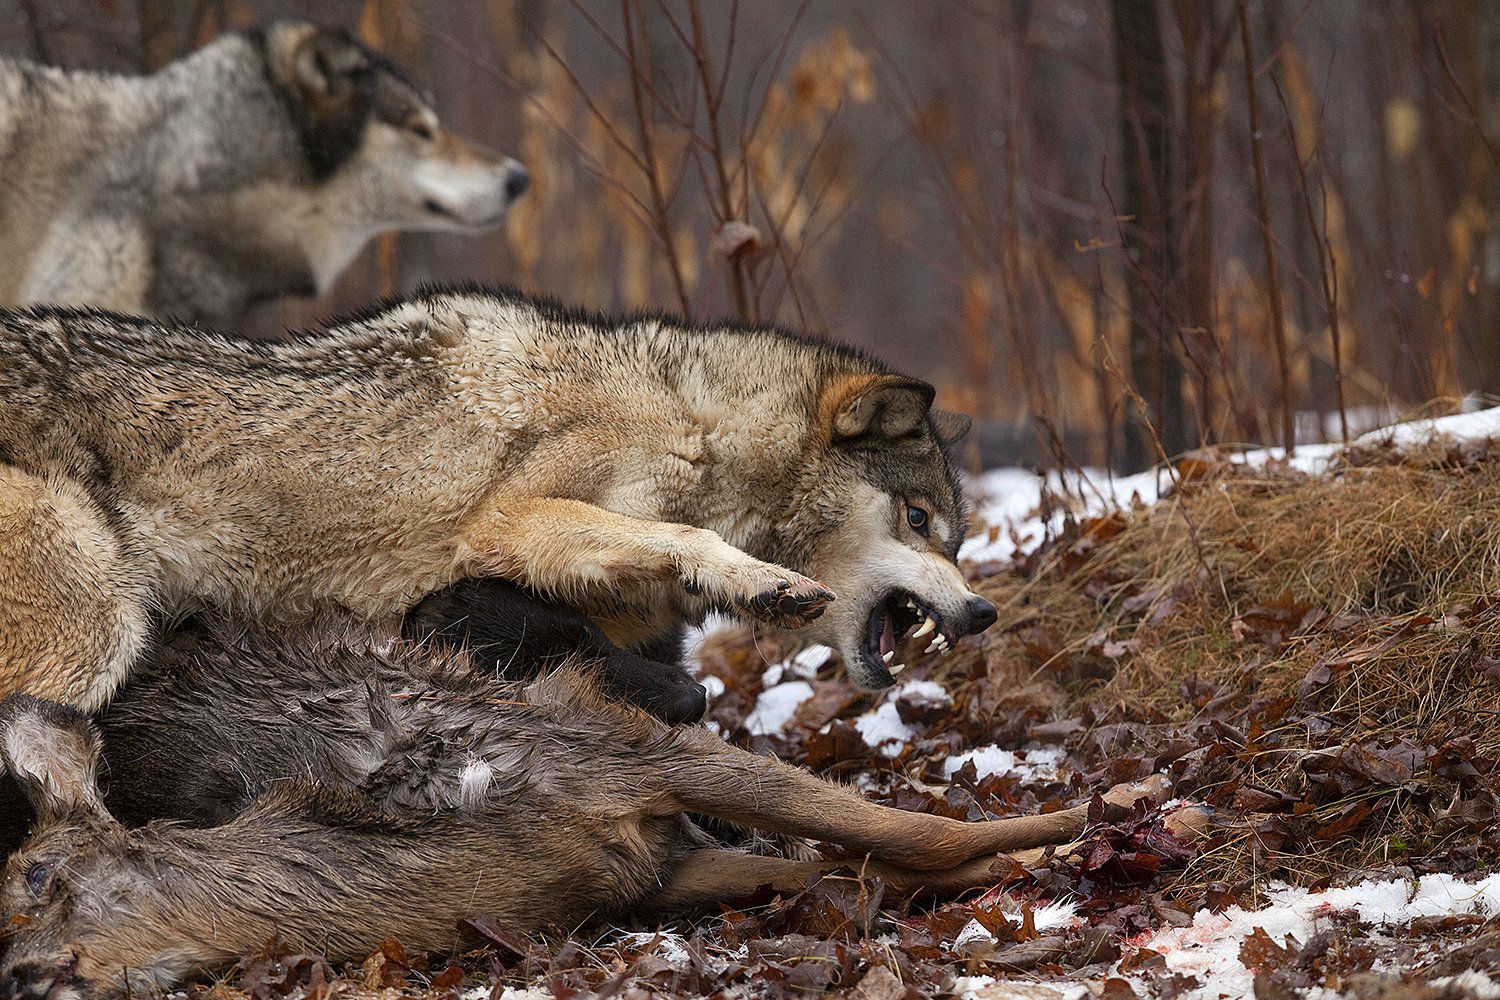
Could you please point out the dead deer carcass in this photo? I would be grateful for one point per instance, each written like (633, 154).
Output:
(394, 791)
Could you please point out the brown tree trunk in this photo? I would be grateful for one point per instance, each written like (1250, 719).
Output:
(1150, 240)
(158, 39)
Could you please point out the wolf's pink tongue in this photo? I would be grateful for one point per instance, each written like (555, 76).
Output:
(887, 637)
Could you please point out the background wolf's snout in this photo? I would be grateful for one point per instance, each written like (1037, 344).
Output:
(981, 615)
(517, 180)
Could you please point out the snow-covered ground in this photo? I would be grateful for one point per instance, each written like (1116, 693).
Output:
(1209, 949)
(1007, 504)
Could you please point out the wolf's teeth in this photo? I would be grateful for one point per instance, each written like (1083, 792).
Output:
(934, 644)
(896, 668)
(927, 626)
(911, 604)
(888, 657)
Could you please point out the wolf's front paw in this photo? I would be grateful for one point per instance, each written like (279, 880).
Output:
(793, 601)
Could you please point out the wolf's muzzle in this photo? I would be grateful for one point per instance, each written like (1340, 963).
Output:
(980, 615)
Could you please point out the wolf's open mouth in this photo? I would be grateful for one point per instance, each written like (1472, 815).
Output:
(900, 616)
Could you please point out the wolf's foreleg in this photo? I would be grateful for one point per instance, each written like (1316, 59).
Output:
(568, 548)
(73, 600)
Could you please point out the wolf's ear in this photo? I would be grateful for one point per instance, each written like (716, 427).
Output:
(52, 752)
(330, 69)
(876, 407)
(951, 427)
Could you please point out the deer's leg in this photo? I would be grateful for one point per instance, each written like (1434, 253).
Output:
(711, 875)
(73, 596)
(746, 788)
(563, 547)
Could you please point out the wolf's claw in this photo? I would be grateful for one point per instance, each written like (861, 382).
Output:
(790, 603)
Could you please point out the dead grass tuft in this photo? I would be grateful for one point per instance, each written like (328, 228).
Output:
(1327, 638)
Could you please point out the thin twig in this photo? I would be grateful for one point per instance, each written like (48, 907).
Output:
(715, 98)
(645, 124)
(1326, 264)
(1273, 285)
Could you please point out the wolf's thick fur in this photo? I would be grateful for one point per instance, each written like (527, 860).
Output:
(644, 472)
(257, 167)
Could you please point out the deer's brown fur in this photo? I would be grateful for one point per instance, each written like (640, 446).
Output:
(394, 791)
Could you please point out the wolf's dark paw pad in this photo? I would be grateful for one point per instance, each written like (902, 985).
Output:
(791, 603)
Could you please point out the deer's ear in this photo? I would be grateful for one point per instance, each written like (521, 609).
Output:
(52, 752)
(875, 408)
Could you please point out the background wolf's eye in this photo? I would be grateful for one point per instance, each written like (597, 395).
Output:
(421, 130)
(36, 877)
(917, 518)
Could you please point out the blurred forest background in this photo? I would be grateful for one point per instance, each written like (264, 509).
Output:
(1111, 229)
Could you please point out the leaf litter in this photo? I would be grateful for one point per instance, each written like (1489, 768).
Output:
(1309, 648)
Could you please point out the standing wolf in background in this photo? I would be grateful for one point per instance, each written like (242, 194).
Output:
(642, 471)
(255, 168)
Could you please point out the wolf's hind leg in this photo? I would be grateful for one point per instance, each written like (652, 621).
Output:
(565, 547)
(73, 601)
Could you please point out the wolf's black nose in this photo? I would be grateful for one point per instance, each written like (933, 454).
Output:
(981, 615)
(516, 182)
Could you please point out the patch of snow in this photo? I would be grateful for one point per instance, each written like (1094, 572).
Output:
(990, 988)
(1008, 501)
(1036, 765)
(883, 729)
(1480, 425)
(1051, 917)
(507, 993)
(693, 636)
(776, 706)
(801, 666)
(669, 945)
(1471, 982)
(1209, 948)
(928, 694)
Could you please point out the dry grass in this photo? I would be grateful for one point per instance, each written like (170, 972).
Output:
(1296, 620)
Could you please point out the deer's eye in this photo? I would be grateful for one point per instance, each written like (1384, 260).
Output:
(36, 878)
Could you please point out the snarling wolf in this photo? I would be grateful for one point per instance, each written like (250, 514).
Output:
(257, 167)
(390, 791)
(643, 471)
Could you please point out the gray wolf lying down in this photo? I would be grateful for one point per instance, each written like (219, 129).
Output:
(388, 789)
(639, 470)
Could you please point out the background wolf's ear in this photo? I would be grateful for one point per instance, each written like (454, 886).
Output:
(53, 753)
(877, 407)
(330, 69)
(951, 427)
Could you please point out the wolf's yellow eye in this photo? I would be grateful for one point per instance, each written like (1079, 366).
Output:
(917, 518)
